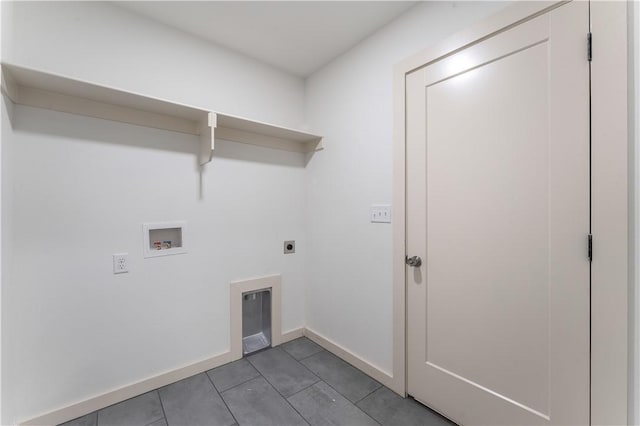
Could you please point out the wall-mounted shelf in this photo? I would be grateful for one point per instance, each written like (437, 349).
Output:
(35, 88)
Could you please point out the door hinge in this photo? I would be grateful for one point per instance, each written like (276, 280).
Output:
(590, 247)
(589, 47)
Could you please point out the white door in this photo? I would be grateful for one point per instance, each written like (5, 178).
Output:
(498, 212)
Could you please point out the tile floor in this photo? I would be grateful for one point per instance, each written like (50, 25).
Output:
(298, 383)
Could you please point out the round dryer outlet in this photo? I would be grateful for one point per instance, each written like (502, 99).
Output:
(289, 247)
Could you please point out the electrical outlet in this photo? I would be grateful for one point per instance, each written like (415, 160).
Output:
(289, 247)
(120, 263)
(381, 213)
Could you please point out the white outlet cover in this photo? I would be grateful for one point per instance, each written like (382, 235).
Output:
(381, 213)
(120, 263)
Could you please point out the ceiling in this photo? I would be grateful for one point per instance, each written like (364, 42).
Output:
(296, 36)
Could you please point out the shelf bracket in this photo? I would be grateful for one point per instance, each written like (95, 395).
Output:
(9, 86)
(207, 137)
(315, 145)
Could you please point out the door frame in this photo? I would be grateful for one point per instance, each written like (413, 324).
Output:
(609, 196)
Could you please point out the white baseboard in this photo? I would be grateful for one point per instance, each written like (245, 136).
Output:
(118, 395)
(292, 334)
(351, 358)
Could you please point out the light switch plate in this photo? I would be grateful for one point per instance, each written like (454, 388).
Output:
(381, 213)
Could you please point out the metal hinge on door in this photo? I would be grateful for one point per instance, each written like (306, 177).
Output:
(590, 247)
(589, 47)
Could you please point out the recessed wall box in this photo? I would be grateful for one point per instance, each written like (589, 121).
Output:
(256, 320)
(163, 238)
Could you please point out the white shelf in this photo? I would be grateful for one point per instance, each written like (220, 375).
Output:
(35, 88)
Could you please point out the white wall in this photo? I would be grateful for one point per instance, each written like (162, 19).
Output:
(109, 45)
(350, 101)
(634, 131)
(6, 108)
(6, 15)
(77, 189)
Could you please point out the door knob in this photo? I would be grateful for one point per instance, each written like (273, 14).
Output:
(414, 261)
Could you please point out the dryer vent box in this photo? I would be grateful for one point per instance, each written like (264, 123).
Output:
(256, 320)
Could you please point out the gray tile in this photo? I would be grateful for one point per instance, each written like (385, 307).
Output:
(390, 409)
(257, 403)
(343, 377)
(194, 401)
(90, 419)
(322, 405)
(286, 374)
(301, 348)
(161, 422)
(232, 374)
(141, 410)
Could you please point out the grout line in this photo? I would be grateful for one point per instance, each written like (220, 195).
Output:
(345, 397)
(321, 380)
(279, 393)
(351, 402)
(301, 364)
(380, 385)
(370, 393)
(309, 356)
(282, 351)
(128, 399)
(360, 400)
(304, 389)
(239, 384)
(220, 394)
(287, 401)
(164, 413)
